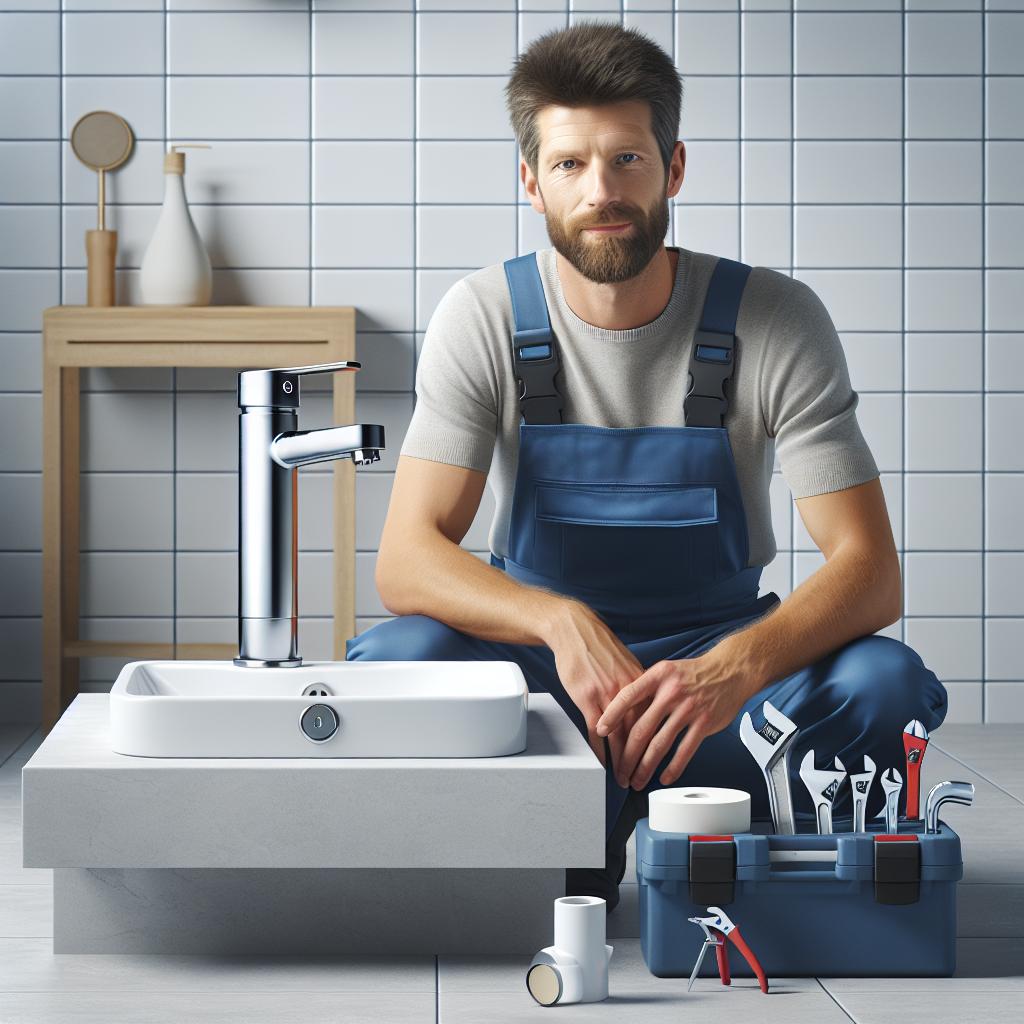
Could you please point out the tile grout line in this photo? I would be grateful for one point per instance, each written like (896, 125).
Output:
(981, 774)
(835, 1000)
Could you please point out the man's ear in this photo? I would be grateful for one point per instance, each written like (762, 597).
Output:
(531, 187)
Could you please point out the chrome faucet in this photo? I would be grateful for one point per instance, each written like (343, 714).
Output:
(270, 450)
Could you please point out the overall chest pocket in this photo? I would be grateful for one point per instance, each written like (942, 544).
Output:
(650, 537)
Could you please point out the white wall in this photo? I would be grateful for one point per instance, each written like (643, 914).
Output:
(362, 156)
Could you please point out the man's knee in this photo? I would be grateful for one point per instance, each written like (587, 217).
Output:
(408, 638)
(884, 682)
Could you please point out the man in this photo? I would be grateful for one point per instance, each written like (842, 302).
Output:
(628, 399)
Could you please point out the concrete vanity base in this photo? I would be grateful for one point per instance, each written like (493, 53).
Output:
(305, 856)
(303, 911)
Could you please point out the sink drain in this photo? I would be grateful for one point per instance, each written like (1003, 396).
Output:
(319, 722)
(317, 690)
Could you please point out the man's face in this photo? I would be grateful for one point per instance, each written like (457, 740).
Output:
(601, 166)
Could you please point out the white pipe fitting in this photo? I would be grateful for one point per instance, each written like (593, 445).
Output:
(575, 968)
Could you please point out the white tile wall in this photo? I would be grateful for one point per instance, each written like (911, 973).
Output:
(362, 155)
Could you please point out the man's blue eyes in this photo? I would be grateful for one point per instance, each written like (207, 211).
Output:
(571, 160)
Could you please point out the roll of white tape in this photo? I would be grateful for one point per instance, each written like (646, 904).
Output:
(699, 810)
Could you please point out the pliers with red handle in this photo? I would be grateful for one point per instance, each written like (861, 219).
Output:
(718, 928)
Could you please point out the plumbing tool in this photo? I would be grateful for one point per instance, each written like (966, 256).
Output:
(945, 793)
(770, 746)
(822, 784)
(915, 743)
(892, 783)
(717, 929)
(860, 784)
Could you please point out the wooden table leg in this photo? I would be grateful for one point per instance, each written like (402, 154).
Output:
(52, 603)
(69, 504)
(60, 538)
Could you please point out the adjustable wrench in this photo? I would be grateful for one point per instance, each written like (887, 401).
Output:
(860, 783)
(892, 783)
(915, 743)
(822, 784)
(769, 746)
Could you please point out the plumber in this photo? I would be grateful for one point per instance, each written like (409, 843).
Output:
(626, 400)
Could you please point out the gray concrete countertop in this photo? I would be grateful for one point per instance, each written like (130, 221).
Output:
(87, 806)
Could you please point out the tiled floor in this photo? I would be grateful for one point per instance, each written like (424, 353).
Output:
(36, 986)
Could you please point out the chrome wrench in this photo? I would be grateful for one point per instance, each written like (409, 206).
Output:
(770, 746)
(860, 784)
(822, 784)
(892, 783)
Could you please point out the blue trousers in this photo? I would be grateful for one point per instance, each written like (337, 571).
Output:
(854, 701)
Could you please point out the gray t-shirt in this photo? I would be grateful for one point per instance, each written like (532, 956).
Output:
(790, 388)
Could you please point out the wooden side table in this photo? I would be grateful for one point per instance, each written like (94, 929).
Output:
(241, 337)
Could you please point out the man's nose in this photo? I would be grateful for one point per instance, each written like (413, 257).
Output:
(603, 188)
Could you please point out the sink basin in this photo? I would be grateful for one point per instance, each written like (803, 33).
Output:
(350, 709)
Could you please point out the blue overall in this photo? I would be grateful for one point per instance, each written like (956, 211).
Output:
(646, 525)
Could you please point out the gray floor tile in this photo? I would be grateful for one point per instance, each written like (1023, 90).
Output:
(990, 911)
(10, 769)
(29, 965)
(11, 870)
(26, 911)
(938, 1005)
(981, 964)
(484, 989)
(219, 1008)
(12, 735)
(995, 751)
(624, 920)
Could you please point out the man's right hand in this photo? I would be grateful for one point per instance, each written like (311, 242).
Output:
(593, 665)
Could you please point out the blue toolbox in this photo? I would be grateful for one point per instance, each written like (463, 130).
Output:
(855, 904)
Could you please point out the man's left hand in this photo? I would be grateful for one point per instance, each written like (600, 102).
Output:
(701, 695)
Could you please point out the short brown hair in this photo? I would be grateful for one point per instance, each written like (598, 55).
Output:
(592, 63)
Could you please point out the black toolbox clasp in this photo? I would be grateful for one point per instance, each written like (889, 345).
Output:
(897, 869)
(712, 870)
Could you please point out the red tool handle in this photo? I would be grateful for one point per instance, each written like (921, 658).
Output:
(723, 961)
(914, 746)
(748, 955)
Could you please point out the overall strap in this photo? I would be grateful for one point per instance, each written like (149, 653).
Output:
(711, 361)
(534, 349)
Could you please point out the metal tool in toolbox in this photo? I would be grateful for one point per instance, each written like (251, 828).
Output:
(860, 783)
(823, 785)
(892, 783)
(717, 928)
(770, 746)
(915, 743)
(945, 793)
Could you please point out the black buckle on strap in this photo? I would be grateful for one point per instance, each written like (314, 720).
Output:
(536, 361)
(897, 869)
(712, 870)
(711, 366)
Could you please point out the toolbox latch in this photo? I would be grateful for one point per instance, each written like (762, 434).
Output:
(712, 870)
(897, 869)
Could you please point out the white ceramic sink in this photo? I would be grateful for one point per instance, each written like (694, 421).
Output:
(379, 709)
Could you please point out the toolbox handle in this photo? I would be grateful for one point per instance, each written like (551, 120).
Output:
(822, 856)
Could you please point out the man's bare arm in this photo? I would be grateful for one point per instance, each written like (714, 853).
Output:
(855, 593)
(421, 569)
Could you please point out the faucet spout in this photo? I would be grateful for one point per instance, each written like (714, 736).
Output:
(361, 441)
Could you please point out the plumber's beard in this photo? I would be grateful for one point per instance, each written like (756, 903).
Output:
(606, 259)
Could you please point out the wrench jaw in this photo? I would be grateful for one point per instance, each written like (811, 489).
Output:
(770, 747)
(823, 785)
(860, 786)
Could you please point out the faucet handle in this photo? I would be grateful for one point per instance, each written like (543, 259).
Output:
(279, 388)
